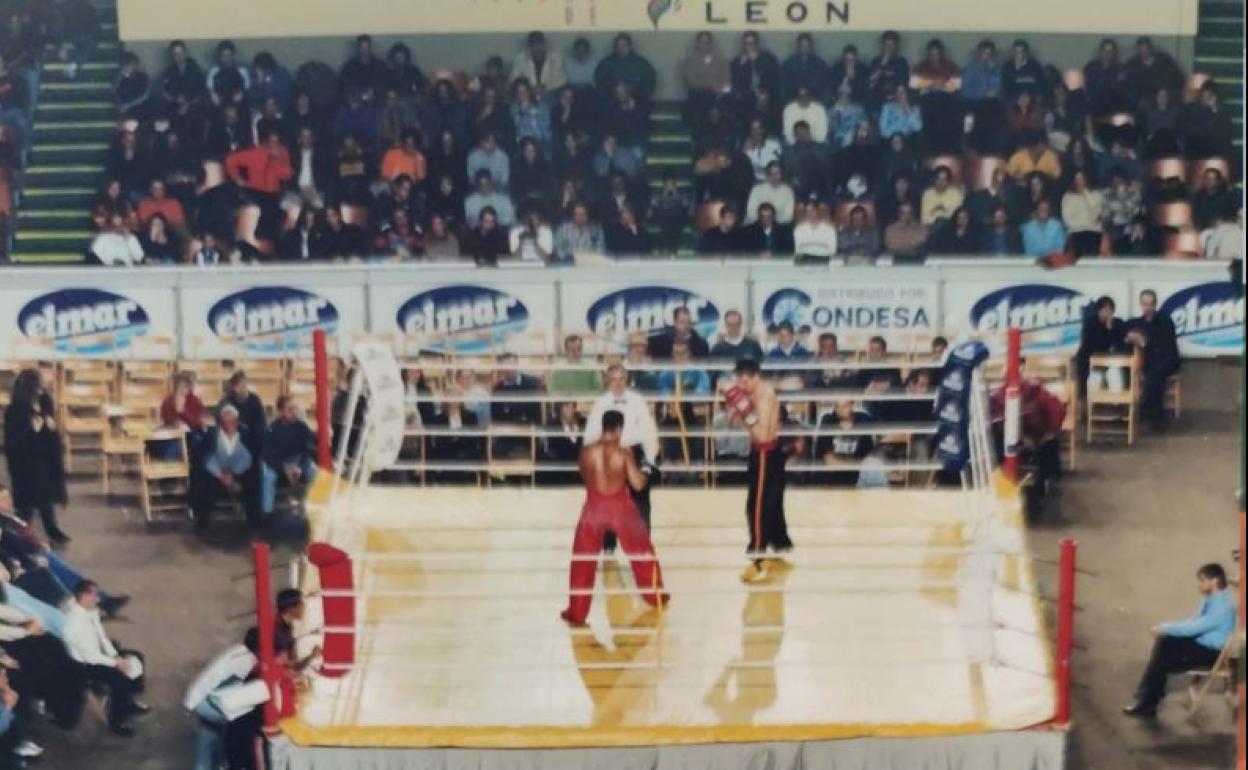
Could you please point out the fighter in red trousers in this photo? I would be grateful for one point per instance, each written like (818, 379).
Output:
(608, 470)
(753, 403)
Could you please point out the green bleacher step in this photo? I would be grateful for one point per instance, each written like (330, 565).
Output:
(50, 153)
(75, 91)
(74, 111)
(1220, 68)
(48, 219)
(92, 71)
(681, 184)
(1225, 26)
(1218, 46)
(1218, 8)
(55, 197)
(48, 258)
(65, 176)
(29, 240)
(74, 131)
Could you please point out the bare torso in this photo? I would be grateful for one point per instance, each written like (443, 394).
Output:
(609, 468)
(767, 408)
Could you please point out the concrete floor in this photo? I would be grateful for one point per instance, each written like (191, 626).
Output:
(1145, 519)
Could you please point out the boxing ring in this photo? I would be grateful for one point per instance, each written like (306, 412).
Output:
(905, 630)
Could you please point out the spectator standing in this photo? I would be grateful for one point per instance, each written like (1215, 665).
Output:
(1152, 332)
(227, 81)
(755, 70)
(132, 88)
(75, 25)
(541, 67)
(364, 75)
(1149, 71)
(32, 443)
(581, 67)
(1102, 79)
(624, 65)
(1043, 234)
(262, 172)
(1022, 73)
(1207, 128)
(1189, 644)
(804, 69)
(850, 75)
(707, 76)
(889, 70)
(182, 87)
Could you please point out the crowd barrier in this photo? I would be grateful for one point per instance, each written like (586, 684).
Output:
(271, 311)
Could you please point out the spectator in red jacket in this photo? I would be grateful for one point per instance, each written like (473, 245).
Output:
(262, 172)
(180, 411)
(1042, 416)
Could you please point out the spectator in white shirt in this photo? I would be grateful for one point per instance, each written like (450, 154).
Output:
(1083, 209)
(774, 191)
(761, 149)
(532, 240)
(116, 246)
(102, 661)
(814, 238)
(232, 667)
(806, 108)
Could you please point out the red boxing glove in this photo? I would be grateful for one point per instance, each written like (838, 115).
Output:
(741, 405)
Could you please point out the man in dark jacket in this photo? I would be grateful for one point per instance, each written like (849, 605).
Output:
(767, 236)
(288, 454)
(681, 329)
(1153, 333)
(511, 382)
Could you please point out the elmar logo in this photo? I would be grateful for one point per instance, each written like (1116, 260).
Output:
(657, 9)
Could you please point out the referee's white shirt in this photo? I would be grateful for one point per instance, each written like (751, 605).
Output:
(639, 427)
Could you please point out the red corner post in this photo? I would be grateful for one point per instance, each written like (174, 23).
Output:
(1013, 401)
(1065, 628)
(265, 623)
(320, 361)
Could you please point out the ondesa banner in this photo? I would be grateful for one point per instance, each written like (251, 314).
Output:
(1049, 313)
(268, 320)
(1208, 317)
(895, 310)
(97, 322)
(611, 312)
(466, 316)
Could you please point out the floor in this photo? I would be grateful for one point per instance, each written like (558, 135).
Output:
(461, 629)
(1145, 518)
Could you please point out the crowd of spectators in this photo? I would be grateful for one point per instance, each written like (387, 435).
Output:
(458, 405)
(544, 160)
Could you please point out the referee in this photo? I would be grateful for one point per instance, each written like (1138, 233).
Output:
(640, 434)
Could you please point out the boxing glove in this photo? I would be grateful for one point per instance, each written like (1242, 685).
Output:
(651, 471)
(740, 404)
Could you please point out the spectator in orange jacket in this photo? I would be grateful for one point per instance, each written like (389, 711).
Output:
(262, 172)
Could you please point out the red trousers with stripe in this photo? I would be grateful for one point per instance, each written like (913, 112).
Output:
(611, 513)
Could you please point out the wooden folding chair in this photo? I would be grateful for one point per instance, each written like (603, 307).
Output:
(84, 420)
(1174, 395)
(1223, 670)
(166, 483)
(1114, 412)
(123, 444)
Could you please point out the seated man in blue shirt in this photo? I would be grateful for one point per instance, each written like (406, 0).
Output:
(288, 453)
(1188, 644)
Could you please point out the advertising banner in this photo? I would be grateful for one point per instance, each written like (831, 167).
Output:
(1208, 316)
(81, 321)
(1049, 309)
(471, 315)
(901, 312)
(159, 20)
(266, 320)
(610, 310)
